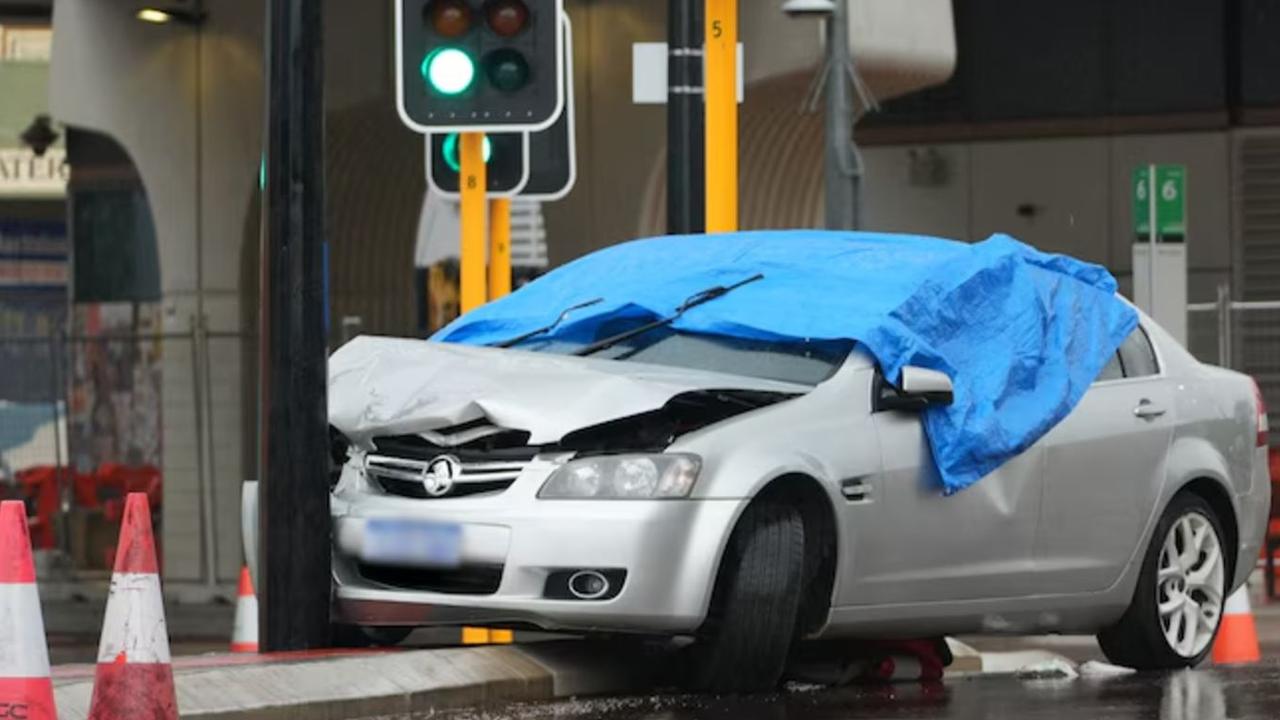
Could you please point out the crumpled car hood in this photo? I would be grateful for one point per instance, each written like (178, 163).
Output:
(396, 386)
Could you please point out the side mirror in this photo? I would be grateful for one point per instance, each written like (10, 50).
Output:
(921, 388)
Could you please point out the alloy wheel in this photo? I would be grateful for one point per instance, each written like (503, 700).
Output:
(1189, 584)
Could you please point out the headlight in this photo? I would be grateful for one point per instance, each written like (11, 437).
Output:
(623, 477)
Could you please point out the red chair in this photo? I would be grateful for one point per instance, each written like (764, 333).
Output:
(114, 482)
(40, 490)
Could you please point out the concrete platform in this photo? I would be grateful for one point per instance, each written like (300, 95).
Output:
(355, 684)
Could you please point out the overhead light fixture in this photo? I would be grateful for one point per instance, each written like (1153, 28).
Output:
(186, 13)
(154, 15)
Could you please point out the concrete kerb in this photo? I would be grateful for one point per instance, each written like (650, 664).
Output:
(400, 683)
(393, 683)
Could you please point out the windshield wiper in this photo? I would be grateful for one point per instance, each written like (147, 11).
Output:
(547, 328)
(693, 301)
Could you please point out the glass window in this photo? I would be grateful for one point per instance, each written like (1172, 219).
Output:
(1137, 355)
(807, 362)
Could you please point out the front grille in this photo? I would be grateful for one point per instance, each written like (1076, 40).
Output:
(408, 478)
(403, 464)
(469, 580)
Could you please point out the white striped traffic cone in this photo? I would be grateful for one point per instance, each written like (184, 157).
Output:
(1237, 641)
(134, 678)
(25, 688)
(244, 635)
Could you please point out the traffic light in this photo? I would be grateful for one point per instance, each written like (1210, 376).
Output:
(506, 159)
(536, 166)
(479, 65)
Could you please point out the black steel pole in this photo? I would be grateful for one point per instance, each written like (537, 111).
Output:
(294, 497)
(686, 177)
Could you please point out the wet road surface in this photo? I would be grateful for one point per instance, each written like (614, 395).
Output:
(1244, 693)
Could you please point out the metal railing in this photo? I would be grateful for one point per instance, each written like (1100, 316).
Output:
(183, 403)
(1243, 335)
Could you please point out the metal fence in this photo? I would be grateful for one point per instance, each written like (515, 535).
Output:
(1243, 335)
(87, 418)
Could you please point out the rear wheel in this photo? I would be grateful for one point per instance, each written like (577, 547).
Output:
(1177, 606)
(744, 644)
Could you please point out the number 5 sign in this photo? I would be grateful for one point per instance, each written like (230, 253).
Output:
(1170, 201)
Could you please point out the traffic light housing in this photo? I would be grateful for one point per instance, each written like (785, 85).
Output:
(552, 152)
(506, 157)
(481, 65)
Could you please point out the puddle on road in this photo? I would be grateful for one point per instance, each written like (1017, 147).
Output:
(1245, 693)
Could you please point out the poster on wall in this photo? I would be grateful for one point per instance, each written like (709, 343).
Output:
(114, 400)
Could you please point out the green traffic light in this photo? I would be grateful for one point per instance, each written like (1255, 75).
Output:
(448, 71)
(450, 151)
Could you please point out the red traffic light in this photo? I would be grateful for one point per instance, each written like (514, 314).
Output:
(450, 18)
(506, 18)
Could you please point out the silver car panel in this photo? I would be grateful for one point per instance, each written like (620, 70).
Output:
(924, 546)
(1104, 468)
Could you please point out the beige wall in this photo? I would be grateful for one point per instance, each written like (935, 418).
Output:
(1079, 188)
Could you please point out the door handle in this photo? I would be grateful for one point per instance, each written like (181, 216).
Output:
(1147, 410)
(856, 490)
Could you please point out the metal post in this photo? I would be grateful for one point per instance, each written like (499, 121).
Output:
(294, 543)
(841, 168)
(1224, 325)
(499, 248)
(686, 181)
(1151, 240)
(721, 83)
(202, 398)
(472, 186)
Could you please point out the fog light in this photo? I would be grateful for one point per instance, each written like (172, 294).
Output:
(588, 585)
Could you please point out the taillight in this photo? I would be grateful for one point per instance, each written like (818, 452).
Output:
(1263, 426)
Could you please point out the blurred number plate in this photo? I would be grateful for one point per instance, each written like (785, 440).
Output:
(412, 542)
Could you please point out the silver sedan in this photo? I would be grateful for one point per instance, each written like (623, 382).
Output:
(647, 490)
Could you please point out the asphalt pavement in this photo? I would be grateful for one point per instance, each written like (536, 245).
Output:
(1244, 693)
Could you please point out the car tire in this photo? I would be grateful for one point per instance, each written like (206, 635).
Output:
(744, 644)
(363, 636)
(1143, 638)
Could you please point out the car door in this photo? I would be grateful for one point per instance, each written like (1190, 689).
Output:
(929, 547)
(1104, 465)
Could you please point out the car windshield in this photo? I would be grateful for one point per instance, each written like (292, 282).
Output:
(795, 361)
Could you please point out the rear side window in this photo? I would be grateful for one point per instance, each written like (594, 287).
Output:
(1137, 355)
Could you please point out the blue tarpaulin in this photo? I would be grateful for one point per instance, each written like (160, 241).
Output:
(1021, 333)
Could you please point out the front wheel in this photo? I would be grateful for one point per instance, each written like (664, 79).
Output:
(744, 644)
(1177, 606)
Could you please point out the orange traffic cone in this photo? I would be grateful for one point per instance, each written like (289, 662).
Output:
(134, 678)
(1237, 641)
(25, 688)
(244, 636)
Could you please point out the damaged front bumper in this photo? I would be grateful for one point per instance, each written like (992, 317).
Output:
(659, 556)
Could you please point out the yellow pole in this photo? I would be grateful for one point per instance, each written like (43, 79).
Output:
(472, 184)
(499, 247)
(721, 93)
